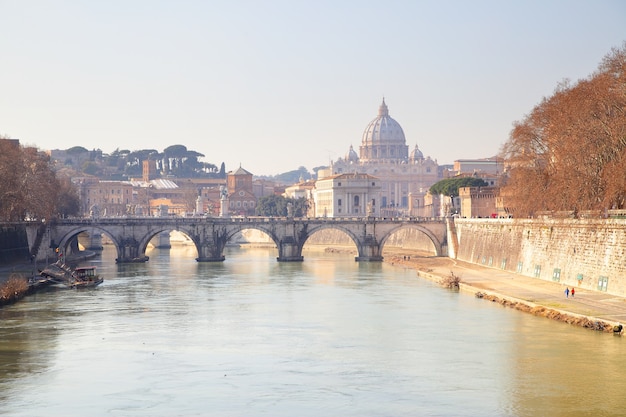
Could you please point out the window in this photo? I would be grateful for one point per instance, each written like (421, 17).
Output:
(503, 263)
(556, 275)
(356, 200)
(520, 267)
(338, 184)
(339, 202)
(603, 283)
(537, 271)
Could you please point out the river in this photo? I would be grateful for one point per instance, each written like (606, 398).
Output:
(328, 336)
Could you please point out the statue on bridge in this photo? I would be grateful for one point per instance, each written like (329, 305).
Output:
(94, 211)
(223, 201)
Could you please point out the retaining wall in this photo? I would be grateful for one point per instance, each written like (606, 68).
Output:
(585, 253)
(13, 244)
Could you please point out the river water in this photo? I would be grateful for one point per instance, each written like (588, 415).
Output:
(328, 336)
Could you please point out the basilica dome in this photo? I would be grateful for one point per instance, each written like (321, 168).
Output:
(383, 138)
(352, 156)
(416, 154)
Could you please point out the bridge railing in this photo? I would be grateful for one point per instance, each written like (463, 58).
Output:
(239, 219)
(244, 219)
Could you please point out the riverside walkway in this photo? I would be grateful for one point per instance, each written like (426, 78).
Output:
(516, 288)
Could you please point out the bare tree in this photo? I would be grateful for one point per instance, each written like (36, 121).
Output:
(30, 188)
(568, 152)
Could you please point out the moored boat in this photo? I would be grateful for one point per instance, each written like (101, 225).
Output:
(82, 277)
(85, 277)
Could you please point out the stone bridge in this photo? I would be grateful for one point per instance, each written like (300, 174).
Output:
(131, 235)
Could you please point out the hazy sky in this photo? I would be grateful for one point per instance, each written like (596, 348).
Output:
(274, 85)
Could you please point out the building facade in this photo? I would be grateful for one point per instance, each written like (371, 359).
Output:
(478, 201)
(241, 198)
(404, 177)
(347, 195)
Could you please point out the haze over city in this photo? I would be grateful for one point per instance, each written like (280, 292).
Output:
(279, 84)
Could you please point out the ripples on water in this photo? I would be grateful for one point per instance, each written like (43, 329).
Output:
(328, 336)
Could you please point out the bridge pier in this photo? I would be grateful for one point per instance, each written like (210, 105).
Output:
(164, 241)
(369, 251)
(91, 240)
(211, 259)
(210, 253)
(368, 258)
(289, 251)
(129, 252)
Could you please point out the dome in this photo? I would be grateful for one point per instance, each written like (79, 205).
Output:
(416, 154)
(352, 156)
(383, 138)
(383, 129)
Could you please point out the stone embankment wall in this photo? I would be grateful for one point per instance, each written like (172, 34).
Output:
(13, 244)
(585, 253)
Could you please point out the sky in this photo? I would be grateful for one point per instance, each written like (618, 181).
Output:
(275, 85)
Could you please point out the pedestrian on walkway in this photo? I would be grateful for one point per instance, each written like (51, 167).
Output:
(567, 292)
(573, 291)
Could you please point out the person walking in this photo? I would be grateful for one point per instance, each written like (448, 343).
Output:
(573, 291)
(567, 292)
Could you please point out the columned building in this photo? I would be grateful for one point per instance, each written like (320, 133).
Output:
(404, 177)
(347, 195)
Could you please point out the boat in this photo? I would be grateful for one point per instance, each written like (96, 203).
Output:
(83, 277)
(86, 277)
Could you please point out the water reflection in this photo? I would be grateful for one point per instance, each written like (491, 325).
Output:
(251, 336)
(570, 373)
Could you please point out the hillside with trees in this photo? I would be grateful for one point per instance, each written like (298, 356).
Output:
(173, 161)
(569, 152)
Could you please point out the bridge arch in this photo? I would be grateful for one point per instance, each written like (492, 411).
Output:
(261, 228)
(438, 245)
(331, 226)
(72, 234)
(285, 245)
(145, 240)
